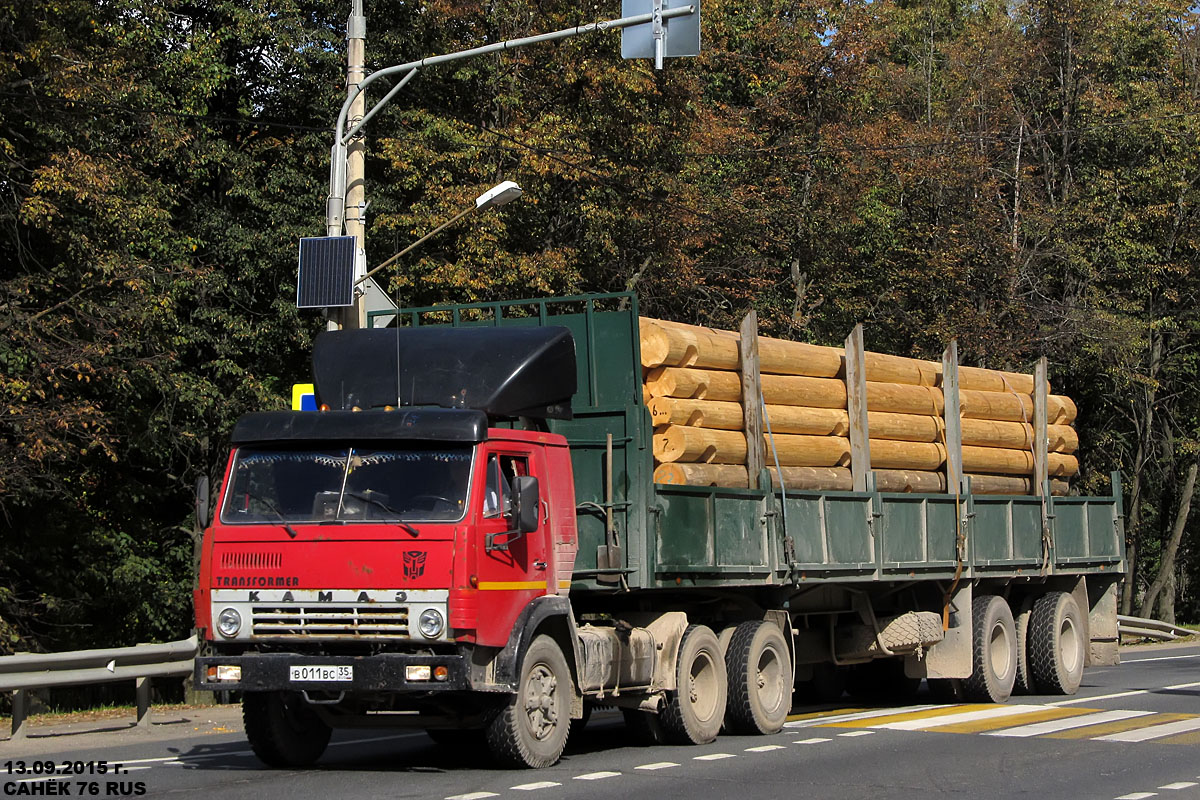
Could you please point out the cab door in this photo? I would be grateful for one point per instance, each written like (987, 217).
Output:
(515, 569)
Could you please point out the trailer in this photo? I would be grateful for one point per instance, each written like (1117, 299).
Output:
(467, 539)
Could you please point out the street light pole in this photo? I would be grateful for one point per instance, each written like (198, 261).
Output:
(354, 316)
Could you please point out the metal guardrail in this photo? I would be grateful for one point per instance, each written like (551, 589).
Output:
(1142, 628)
(22, 673)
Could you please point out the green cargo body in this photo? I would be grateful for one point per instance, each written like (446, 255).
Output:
(680, 536)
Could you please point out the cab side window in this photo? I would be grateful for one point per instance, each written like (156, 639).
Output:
(501, 469)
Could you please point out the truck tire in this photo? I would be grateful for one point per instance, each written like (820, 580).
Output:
(531, 730)
(759, 668)
(993, 651)
(1024, 681)
(694, 712)
(283, 731)
(1057, 639)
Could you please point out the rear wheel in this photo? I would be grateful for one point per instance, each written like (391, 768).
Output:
(759, 668)
(531, 730)
(1056, 644)
(282, 729)
(693, 713)
(993, 650)
(1024, 681)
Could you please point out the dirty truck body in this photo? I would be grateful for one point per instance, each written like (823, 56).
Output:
(480, 551)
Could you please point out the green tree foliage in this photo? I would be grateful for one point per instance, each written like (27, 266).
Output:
(1019, 175)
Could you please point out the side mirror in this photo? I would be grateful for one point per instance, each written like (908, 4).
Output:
(526, 505)
(202, 502)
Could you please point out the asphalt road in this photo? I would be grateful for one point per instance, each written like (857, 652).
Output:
(1132, 732)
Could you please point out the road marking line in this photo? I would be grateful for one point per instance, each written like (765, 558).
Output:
(1162, 658)
(1056, 725)
(900, 715)
(1180, 785)
(765, 748)
(597, 776)
(1153, 732)
(814, 740)
(952, 719)
(472, 796)
(886, 712)
(1123, 694)
(714, 757)
(1028, 718)
(658, 765)
(856, 733)
(529, 787)
(1137, 796)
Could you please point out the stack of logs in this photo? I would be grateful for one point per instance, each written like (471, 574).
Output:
(693, 389)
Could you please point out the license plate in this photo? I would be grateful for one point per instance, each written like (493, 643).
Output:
(323, 673)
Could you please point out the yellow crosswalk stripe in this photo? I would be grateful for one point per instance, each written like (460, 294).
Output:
(1025, 718)
(1120, 726)
(904, 716)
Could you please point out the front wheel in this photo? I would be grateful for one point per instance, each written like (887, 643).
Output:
(693, 713)
(531, 730)
(282, 729)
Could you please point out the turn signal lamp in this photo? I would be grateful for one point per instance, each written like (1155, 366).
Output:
(440, 673)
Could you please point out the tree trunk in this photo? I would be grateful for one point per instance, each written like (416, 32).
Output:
(1144, 423)
(1166, 570)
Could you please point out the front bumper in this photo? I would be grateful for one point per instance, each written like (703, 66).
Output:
(269, 672)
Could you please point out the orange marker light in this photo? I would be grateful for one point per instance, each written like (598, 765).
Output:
(474, 581)
(440, 673)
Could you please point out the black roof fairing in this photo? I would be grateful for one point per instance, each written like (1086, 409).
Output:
(502, 371)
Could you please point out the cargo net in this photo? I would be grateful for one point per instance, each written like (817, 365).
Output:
(692, 386)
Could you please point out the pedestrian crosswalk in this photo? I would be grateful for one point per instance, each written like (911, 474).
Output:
(1016, 720)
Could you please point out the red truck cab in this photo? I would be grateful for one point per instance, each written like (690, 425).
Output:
(375, 559)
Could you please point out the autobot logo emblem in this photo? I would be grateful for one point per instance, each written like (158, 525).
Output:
(414, 563)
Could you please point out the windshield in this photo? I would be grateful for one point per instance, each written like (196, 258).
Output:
(347, 485)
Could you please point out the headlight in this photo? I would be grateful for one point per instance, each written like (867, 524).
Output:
(431, 623)
(229, 622)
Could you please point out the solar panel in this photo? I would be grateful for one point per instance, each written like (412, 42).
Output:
(326, 276)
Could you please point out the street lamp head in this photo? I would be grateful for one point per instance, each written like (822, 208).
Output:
(498, 195)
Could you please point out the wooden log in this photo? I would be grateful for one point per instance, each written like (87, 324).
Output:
(833, 422)
(926, 456)
(837, 479)
(793, 390)
(733, 476)
(1060, 409)
(800, 479)
(703, 445)
(1002, 461)
(1013, 484)
(675, 344)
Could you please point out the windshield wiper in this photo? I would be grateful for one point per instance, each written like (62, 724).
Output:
(369, 497)
(274, 509)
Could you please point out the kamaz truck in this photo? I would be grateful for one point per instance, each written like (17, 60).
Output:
(466, 538)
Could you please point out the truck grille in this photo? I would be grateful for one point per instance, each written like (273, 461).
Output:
(331, 622)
